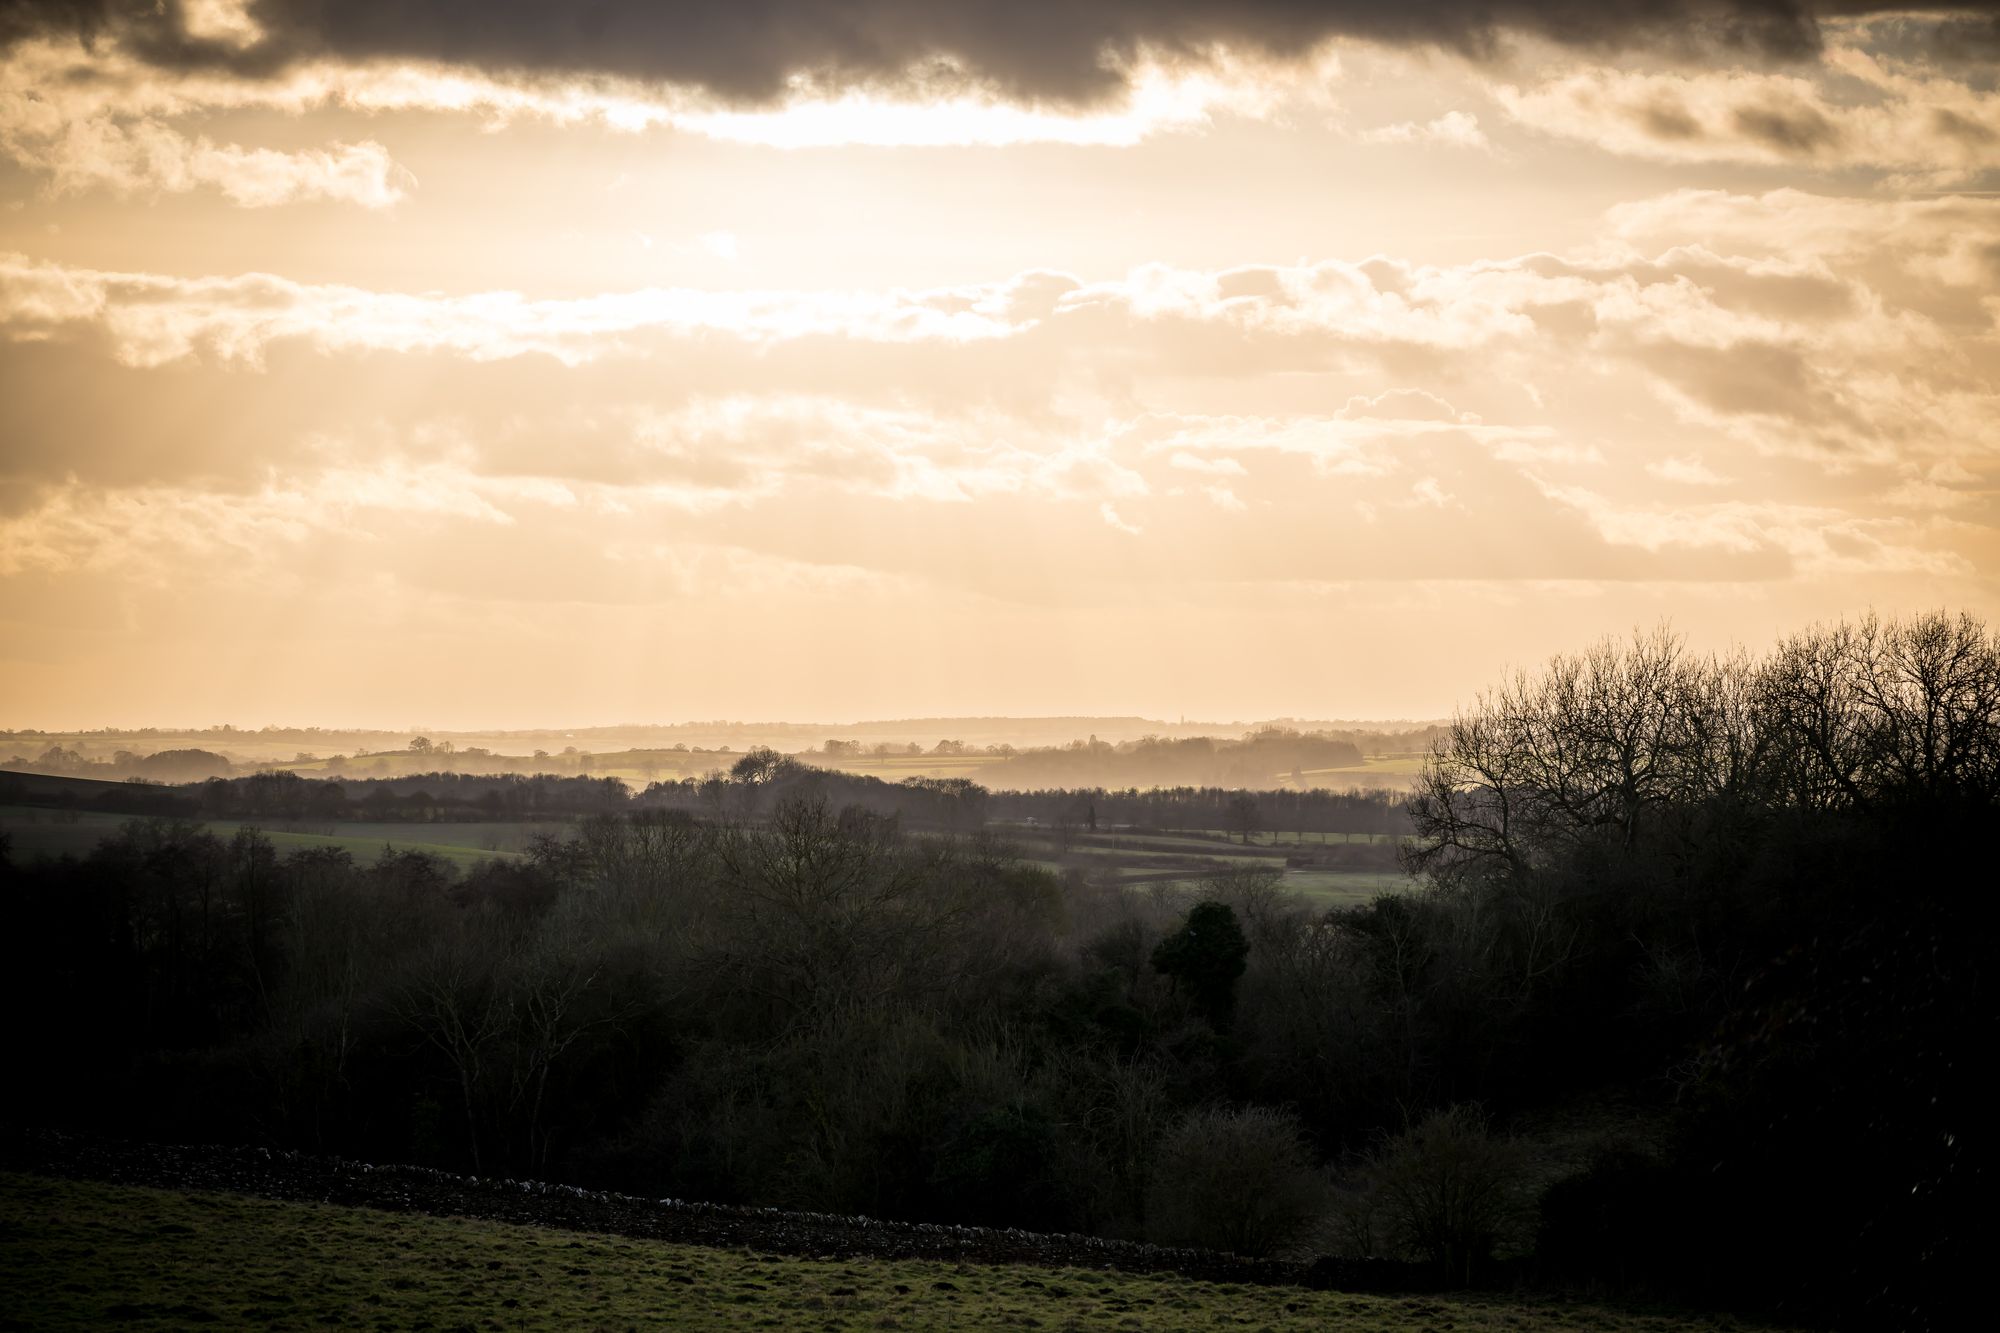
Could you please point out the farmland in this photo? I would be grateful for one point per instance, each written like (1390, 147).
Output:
(39, 833)
(1186, 859)
(1127, 857)
(83, 1255)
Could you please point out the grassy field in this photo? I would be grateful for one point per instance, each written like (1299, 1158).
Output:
(1344, 888)
(79, 1255)
(1152, 857)
(1107, 851)
(39, 833)
(1221, 844)
(894, 768)
(1398, 773)
(1285, 839)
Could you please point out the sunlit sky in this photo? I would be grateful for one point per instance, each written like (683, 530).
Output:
(370, 363)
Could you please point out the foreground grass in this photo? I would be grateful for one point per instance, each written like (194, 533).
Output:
(75, 1255)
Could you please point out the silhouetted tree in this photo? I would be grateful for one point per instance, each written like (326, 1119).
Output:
(1206, 955)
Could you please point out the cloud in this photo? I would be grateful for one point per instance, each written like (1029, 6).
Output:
(153, 320)
(1803, 225)
(1454, 129)
(1854, 109)
(1404, 405)
(936, 110)
(101, 111)
(1188, 462)
(1029, 49)
(144, 531)
(1813, 540)
(1109, 513)
(1322, 420)
(1685, 471)
(1806, 332)
(97, 124)
(147, 156)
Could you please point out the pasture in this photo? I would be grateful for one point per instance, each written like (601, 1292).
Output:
(86, 1255)
(1396, 772)
(1114, 856)
(1185, 859)
(39, 833)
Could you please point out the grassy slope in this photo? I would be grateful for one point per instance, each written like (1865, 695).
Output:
(76, 1255)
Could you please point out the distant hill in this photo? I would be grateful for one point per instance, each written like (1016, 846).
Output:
(304, 745)
(137, 798)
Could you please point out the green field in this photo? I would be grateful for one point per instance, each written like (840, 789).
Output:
(39, 833)
(1344, 888)
(1096, 852)
(1287, 839)
(81, 1255)
(896, 767)
(1395, 772)
(1177, 842)
(1193, 844)
(1186, 859)
(1319, 889)
(1223, 844)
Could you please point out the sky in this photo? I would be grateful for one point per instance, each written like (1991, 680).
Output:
(501, 364)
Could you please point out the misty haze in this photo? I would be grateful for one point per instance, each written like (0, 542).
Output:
(837, 664)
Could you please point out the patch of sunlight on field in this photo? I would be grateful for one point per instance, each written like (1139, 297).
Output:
(894, 768)
(1344, 888)
(82, 1255)
(1392, 771)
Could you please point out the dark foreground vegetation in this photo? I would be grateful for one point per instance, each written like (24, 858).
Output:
(1694, 1000)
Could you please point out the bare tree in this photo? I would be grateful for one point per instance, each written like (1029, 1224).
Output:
(1242, 816)
(452, 999)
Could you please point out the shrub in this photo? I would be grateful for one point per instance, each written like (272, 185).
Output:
(1445, 1190)
(1238, 1180)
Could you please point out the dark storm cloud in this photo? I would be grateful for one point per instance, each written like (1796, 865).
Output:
(1059, 49)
